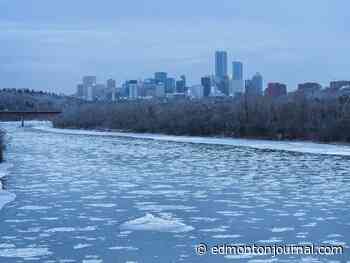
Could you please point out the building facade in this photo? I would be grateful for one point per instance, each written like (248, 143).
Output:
(275, 90)
(220, 64)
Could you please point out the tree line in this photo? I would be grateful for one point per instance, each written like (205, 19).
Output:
(292, 117)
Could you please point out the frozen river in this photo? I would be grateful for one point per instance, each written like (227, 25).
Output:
(87, 198)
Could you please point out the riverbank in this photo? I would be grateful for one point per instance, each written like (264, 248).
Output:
(290, 146)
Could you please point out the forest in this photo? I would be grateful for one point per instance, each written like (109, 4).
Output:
(291, 118)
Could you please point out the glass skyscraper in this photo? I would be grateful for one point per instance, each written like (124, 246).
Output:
(237, 70)
(220, 64)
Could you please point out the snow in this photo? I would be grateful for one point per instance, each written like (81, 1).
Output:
(302, 147)
(152, 223)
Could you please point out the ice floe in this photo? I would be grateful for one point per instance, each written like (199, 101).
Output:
(150, 222)
(281, 229)
(24, 252)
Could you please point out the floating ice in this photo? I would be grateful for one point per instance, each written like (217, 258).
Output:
(70, 229)
(102, 205)
(151, 223)
(80, 246)
(303, 147)
(24, 252)
(128, 248)
(34, 207)
(281, 229)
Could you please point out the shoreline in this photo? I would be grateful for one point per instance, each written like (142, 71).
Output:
(263, 144)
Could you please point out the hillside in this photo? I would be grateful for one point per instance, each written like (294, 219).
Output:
(30, 100)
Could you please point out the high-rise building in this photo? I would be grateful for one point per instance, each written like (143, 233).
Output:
(223, 84)
(133, 89)
(254, 86)
(276, 90)
(111, 84)
(196, 92)
(160, 77)
(220, 64)
(206, 83)
(309, 89)
(180, 86)
(237, 70)
(170, 85)
(183, 78)
(89, 81)
(160, 90)
(237, 83)
(111, 89)
(257, 82)
(81, 91)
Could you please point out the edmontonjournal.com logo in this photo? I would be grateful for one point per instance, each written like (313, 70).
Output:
(269, 250)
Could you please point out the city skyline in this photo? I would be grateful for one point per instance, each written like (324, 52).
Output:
(284, 41)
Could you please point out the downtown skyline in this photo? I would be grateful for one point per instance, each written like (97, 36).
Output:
(286, 42)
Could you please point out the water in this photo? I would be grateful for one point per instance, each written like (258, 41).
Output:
(85, 198)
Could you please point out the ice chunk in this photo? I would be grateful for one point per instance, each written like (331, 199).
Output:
(281, 229)
(152, 223)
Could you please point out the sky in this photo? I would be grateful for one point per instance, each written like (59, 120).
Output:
(50, 44)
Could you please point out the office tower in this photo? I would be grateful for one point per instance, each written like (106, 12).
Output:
(133, 88)
(249, 90)
(275, 90)
(80, 91)
(196, 92)
(111, 89)
(183, 78)
(254, 86)
(149, 86)
(309, 89)
(206, 83)
(170, 85)
(160, 77)
(237, 70)
(180, 86)
(257, 83)
(89, 81)
(111, 84)
(160, 90)
(237, 83)
(220, 64)
(223, 85)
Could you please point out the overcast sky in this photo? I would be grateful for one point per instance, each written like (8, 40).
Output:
(51, 44)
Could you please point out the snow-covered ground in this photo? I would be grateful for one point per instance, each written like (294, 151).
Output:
(302, 147)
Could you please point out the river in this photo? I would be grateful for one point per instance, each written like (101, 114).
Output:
(92, 199)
